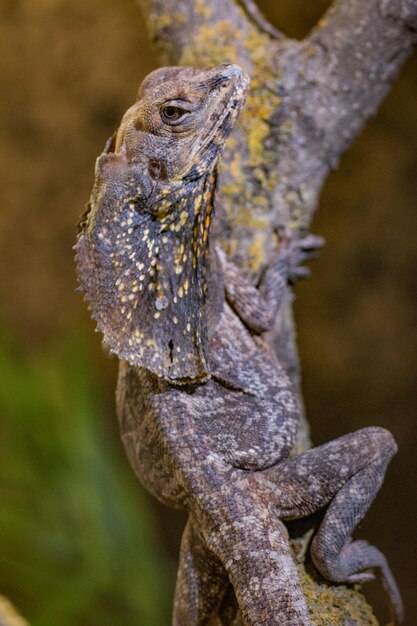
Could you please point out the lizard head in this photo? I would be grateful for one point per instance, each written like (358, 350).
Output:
(142, 254)
(182, 111)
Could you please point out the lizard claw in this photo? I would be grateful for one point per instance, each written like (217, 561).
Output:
(294, 252)
(301, 272)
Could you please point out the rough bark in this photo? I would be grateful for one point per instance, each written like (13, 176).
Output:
(309, 99)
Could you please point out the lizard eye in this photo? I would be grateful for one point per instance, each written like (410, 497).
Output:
(171, 114)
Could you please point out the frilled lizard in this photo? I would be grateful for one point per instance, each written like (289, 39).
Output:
(206, 411)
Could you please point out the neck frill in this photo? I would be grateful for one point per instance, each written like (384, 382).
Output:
(143, 267)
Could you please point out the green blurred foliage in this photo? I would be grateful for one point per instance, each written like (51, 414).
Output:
(76, 535)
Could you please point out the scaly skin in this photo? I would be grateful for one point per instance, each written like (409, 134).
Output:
(206, 412)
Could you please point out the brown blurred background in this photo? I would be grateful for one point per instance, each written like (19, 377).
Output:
(80, 542)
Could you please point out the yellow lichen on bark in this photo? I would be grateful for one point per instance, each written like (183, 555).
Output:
(248, 172)
(329, 605)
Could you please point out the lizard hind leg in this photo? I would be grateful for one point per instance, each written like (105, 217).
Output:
(335, 554)
(341, 477)
(201, 582)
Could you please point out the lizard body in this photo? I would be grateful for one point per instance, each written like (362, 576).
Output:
(206, 412)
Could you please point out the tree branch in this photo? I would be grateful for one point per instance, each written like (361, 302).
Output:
(363, 46)
(308, 101)
(253, 11)
(173, 26)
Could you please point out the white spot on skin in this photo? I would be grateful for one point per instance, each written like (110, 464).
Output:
(161, 303)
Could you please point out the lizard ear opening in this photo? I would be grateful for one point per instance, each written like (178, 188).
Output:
(157, 170)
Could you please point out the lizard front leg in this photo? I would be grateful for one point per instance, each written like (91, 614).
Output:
(344, 475)
(201, 582)
(257, 307)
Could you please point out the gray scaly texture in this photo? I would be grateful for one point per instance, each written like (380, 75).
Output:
(207, 413)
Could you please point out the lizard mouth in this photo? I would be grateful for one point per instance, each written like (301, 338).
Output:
(230, 87)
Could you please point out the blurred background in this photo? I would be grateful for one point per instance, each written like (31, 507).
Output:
(81, 543)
